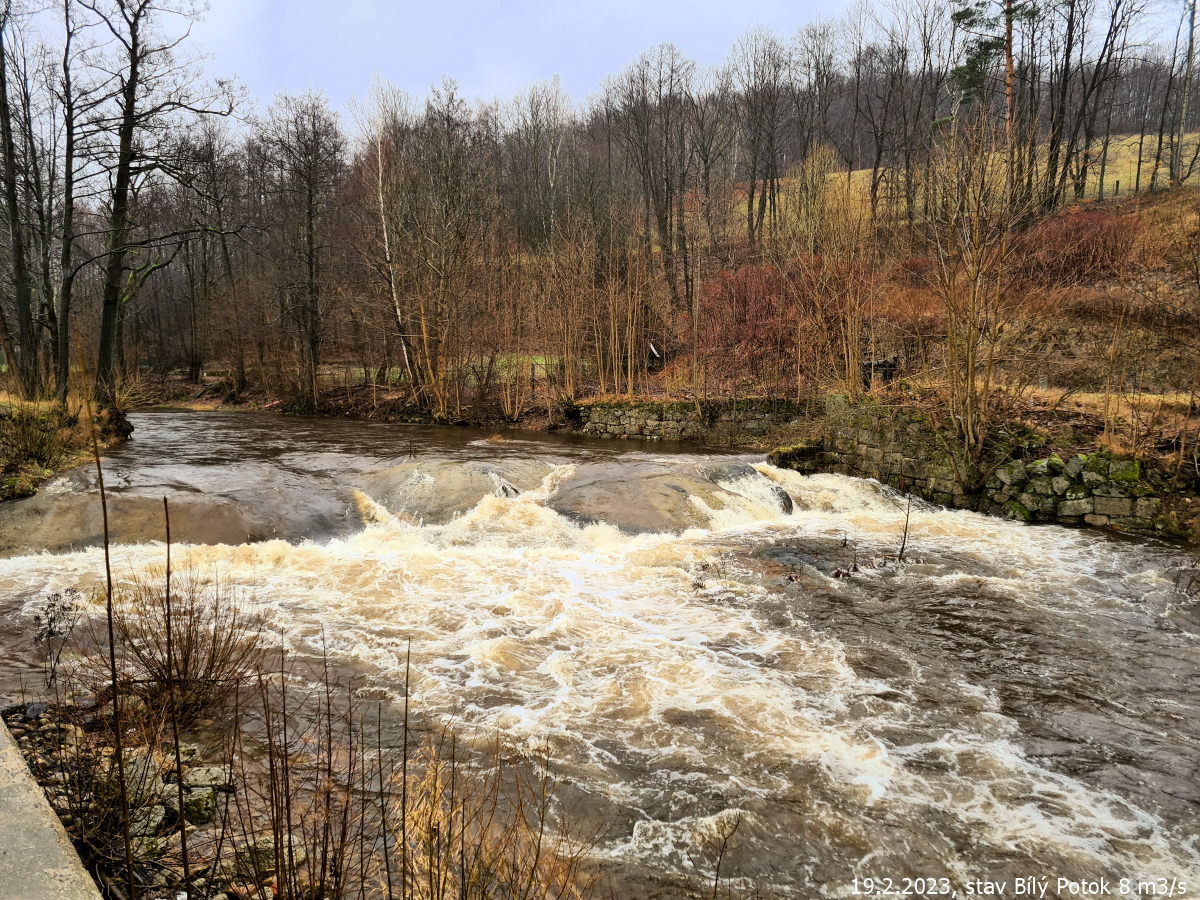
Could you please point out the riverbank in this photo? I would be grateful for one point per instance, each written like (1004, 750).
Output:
(41, 440)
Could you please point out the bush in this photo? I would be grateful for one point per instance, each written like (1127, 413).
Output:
(33, 443)
(914, 271)
(1073, 247)
(216, 640)
(744, 318)
(33, 437)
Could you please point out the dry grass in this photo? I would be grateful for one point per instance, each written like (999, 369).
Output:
(36, 440)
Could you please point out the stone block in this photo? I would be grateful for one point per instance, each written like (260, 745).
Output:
(1147, 507)
(1124, 470)
(1041, 467)
(1042, 484)
(1094, 519)
(1013, 509)
(1114, 506)
(1076, 507)
(1060, 485)
(1074, 466)
(1012, 473)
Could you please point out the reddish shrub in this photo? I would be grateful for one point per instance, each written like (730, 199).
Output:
(915, 271)
(1073, 247)
(759, 324)
(744, 316)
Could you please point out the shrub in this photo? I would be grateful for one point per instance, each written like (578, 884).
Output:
(1073, 247)
(33, 443)
(41, 438)
(744, 318)
(216, 640)
(914, 271)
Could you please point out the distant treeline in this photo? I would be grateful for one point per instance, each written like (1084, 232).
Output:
(726, 224)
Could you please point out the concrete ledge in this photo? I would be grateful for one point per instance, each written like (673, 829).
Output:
(37, 861)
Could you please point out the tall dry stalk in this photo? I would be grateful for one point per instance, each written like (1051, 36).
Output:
(174, 699)
(118, 748)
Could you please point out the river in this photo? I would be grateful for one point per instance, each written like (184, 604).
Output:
(697, 636)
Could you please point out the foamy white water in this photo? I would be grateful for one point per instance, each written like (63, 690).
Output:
(1008, 701)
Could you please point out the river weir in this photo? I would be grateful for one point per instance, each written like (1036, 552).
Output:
(699, 638)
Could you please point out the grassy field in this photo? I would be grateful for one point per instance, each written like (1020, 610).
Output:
(1120, 173)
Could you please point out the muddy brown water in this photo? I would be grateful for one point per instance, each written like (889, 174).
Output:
(679, 628)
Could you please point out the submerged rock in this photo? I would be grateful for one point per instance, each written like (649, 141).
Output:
(433, 492)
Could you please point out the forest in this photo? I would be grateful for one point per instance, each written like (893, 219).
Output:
(916, 190)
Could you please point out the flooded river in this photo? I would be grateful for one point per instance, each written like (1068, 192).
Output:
(699, 637)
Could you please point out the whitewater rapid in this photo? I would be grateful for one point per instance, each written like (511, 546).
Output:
(768, 659)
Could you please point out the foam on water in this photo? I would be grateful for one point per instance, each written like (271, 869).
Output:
(635, 655)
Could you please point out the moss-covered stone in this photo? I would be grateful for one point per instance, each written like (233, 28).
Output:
(1042, 484)
(1074, 466)
(1014, 509)
(199, 807)
(1077, 492)
(1124, 470)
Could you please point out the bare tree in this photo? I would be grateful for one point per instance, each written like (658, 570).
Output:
(155, 88)
(304, 146)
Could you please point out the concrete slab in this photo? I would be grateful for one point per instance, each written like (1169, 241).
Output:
(37, 861)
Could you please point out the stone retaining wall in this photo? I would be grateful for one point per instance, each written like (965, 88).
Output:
(902, 450)
(746, 422)
(1097, 489)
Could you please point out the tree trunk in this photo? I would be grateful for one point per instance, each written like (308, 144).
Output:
(119, 225)
(27, 355)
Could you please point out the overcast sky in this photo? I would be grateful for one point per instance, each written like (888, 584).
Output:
(491, 49)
